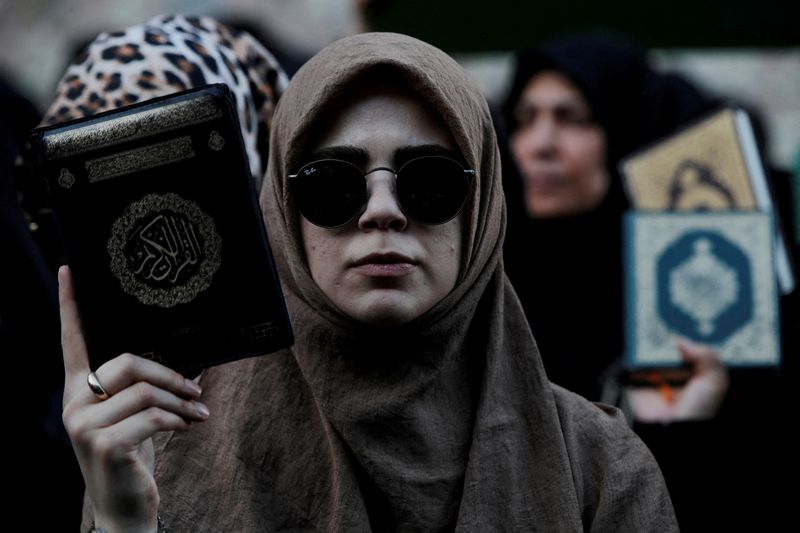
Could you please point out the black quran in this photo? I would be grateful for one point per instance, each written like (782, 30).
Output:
(162, 230)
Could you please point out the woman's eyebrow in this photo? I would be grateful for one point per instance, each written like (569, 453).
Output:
(352, 154)
(405, 154)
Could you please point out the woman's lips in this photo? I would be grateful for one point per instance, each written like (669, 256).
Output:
(387, 270)
(385, 265)
(545, 181)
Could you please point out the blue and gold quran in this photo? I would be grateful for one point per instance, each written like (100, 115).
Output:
(707, 277)
(163, 233)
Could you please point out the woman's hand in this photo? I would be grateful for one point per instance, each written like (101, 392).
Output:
(699, 399)
(112, 437)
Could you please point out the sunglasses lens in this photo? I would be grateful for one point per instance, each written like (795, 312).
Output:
(432, 189)
(329, 193)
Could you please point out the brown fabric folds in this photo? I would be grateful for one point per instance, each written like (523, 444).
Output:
(446, 423)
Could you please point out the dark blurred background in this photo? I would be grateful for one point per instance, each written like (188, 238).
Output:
(748, 50)
(479, 25)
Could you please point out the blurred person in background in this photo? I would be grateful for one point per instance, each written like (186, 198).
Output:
(174, 53)
(29, 332)
(575, 108)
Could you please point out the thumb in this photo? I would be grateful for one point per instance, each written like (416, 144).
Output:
(76, 357)
(700, 356)
(706, 363)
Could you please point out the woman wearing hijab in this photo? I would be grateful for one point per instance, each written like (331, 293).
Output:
(576, 107)
(172, 53)
(414, 398)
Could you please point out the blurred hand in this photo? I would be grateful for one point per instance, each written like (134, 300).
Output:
(699, 399)
(112, 438)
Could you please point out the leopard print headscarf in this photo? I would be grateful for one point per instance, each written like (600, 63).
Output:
(171, 53)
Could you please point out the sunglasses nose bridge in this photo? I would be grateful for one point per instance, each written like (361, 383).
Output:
(382, 207)
(376, 169)
(369, 183)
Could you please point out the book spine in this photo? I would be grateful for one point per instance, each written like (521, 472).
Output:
(755, 169)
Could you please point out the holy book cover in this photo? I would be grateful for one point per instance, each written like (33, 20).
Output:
(707, 277)
(712, 164)
(163, 233)
(703, 166)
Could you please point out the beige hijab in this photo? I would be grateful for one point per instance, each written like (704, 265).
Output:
(446, 423)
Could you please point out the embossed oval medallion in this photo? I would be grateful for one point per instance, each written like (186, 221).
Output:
(164, 250)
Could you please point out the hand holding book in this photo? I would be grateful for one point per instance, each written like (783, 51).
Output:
(699, 398)
(163, 234)
(112, 438)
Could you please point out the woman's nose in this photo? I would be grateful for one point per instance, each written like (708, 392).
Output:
(539, 139)
(383, 209)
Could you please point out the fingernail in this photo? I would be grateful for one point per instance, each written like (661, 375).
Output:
(201, 409)
(193, 387)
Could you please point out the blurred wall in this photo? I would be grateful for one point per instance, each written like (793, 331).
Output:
(732, 55)
(767, 79)
(38, 36)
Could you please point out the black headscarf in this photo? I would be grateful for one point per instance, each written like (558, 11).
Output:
(571, 288)
(574, 280)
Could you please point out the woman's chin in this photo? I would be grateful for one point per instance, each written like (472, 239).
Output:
(385, 308)
(556, 207)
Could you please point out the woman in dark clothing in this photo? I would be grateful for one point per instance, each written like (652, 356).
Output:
(575, 108)
(571, 203)
(29, 335)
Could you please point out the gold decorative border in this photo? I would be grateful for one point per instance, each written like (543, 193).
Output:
(150, 156)
(136, 124)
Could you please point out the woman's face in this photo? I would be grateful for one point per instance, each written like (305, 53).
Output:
(559, 148)
(383, 268)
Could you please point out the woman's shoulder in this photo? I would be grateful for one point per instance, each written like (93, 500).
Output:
(599, 433)
(618, 480)
(576, 412)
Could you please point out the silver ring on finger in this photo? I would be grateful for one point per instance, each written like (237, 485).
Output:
(96, 386)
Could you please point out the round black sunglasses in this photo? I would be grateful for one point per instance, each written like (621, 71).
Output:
(330, 192)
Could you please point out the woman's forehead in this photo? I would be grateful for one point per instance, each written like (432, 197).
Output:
(380, 115)
(552, 85)
(318, 89)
